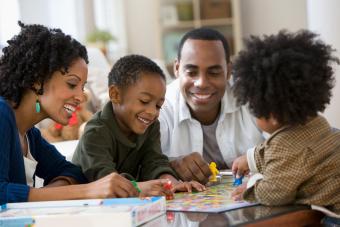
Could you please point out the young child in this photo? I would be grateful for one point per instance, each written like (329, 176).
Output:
(124, 137)
(287, 79)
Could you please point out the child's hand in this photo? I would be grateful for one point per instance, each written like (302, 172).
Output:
(153, 188)
(236, 195)
(112, 185)
(188, 186)
(240, 166)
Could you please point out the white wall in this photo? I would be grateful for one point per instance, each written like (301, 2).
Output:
(269, 16)
(67, 15)
(142, 22)
(323, 18)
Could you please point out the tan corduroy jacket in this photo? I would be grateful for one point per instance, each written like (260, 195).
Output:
(301, 165)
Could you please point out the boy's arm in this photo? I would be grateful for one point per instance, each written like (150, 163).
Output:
(282, 171)
(94, 153)
(154, 162)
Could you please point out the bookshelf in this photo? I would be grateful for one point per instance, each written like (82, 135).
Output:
(176, 17)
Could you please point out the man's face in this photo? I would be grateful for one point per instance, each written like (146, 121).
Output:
(203, 74)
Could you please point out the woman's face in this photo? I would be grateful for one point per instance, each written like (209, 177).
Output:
(63, 93)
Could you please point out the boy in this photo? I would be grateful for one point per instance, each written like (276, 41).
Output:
(124, 137)
(287, 80)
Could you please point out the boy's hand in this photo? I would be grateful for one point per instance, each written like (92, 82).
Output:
(153, 188)
(240, 166)
(112, 185)
(188, 186)
(192, 167)
(236, 195)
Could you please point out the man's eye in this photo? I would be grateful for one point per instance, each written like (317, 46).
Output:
(190, 72)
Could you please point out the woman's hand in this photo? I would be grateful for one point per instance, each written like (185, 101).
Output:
(112, 185)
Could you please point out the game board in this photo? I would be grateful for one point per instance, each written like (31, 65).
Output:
(215, 199)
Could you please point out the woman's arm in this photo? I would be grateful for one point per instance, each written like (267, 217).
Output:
(110, 186)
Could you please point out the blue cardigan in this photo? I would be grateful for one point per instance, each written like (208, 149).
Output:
(51, 164)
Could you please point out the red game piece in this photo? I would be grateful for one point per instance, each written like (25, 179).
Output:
(169, 194)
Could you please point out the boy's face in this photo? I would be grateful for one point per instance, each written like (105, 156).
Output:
(203, 74)
(137, 106)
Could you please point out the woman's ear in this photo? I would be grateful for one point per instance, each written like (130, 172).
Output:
(114, 93)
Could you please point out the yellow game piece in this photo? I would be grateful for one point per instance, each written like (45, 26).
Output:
(214, 172)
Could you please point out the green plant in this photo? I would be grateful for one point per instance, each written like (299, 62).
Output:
(100, 36)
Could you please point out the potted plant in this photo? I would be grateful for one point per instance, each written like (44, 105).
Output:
(100, 39)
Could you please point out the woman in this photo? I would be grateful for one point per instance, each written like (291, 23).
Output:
(42, 75)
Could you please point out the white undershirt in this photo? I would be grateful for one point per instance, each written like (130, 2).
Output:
(30, 166)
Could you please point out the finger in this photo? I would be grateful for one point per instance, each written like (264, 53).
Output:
(197, 173)
(202, 164)
(197, 186)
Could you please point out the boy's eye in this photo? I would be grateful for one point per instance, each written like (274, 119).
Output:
(143, 101)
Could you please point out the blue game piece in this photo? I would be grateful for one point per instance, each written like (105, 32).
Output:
(238, 181)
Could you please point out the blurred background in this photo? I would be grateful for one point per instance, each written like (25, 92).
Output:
(113, 28)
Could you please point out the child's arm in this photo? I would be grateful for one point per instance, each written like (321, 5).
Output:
(183, 186)
(283, 171)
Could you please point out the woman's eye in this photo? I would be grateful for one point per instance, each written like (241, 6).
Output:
(72, 86)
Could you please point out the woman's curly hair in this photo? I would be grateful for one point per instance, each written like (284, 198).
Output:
(288, 76)
(33, 56)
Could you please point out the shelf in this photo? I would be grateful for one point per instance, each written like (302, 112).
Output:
(176, 17)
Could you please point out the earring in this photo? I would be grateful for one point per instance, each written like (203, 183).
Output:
(37, 105)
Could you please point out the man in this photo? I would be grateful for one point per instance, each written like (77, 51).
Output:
(200, 119)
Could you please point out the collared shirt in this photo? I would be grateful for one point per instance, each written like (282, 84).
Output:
(181, 134)
(299, 164)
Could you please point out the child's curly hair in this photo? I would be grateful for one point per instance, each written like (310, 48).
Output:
(288, 76)
(33, 56)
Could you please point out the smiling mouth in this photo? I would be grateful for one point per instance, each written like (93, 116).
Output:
(202, 97)
(69, 109)
(144, 121)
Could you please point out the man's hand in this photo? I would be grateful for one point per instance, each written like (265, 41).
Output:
(192, 167)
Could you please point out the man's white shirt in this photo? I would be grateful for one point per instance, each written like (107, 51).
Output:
(181, 134)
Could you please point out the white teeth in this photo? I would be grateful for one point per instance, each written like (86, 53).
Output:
(144, 120)
(70, 109)
(202, 96)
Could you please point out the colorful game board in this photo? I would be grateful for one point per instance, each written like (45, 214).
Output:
(215, 199)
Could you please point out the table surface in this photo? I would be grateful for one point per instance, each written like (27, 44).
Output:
(257, 215)
(295, 215)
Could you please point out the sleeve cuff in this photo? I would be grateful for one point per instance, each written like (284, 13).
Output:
(253, 179)
(251, 160)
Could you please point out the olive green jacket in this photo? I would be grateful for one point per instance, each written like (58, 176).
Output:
(104, 149)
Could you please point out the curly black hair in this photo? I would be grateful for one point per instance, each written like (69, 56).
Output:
(204, 34)
(288, 76)
(33, 56)
(127, 70)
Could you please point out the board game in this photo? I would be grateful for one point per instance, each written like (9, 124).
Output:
(216, 198)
